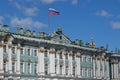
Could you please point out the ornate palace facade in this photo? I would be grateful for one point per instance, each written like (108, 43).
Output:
(25, 56)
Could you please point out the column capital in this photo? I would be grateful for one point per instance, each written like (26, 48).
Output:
(52, 51)
(70, 53)
(42, 50)
(2, 44)
(10, 46)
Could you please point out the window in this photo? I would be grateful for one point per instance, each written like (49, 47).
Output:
(85, 75)
(21, 51)
(66, 56)
(66, 71)
(13, 67)
(13, 50)
(74, 70)
(21, 67)
(60, 55)
(35, 52)
(73, 57)
(46, 69)
(5, 65)
(60, 69)
(4, 48)
(35, 69)
(55, 55)
(55, 68)
(46, 54)
(60, 37)
(28, 68)
(28, 52)
(90, 59)
(85, 59)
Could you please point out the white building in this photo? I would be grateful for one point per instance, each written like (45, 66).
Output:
(24, 56)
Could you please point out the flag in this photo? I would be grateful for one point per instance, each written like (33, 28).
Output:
(53, 12)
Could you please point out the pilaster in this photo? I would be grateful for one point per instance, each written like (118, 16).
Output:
(78, 67)
(18, 59)
(63, 69)
(94, 67)
(57, 64)
(10, 58)
(71, 66)
(52, 61)
(98, 67)
(41, 64)
(1, 60)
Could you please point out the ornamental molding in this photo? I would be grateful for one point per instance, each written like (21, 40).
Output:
(52, 52)
(41, 50)
(19, 47)
(1, 45)
(1, 78)
(10, 46)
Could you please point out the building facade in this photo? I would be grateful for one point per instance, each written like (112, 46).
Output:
(25, 56)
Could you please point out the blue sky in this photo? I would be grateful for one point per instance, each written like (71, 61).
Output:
(79, 19)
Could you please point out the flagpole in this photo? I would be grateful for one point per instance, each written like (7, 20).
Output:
(48, 23)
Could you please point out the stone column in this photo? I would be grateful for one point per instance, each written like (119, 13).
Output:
(94, 67)
(10, 58)
(64, 67)
(41, 64)
(18, 59)
(58, 65)
(52, 61)
(112, 70)
(1, 60)
(78, 65)
(117, 70)
(107, 69)
(71, 65)
(98, 68)
(103, 68)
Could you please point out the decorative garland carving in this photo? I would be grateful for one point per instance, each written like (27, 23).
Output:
(41, 50)
(9, 46)
(52, 52)
(1, 45)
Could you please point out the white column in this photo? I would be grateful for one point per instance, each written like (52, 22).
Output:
(94, 67)
(103, 68)
(9, 58)
(71, 66)
(98, 68)
(78, 65)
(52, 61)
(41, 69)
(1, 60)
(18, 60)
(107, 69)
(112, 70)
(117, 70)
(63, 68)
(58, 65)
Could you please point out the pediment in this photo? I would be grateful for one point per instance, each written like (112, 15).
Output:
(61, 39)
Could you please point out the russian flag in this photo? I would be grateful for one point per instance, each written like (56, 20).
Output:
(53, 12)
